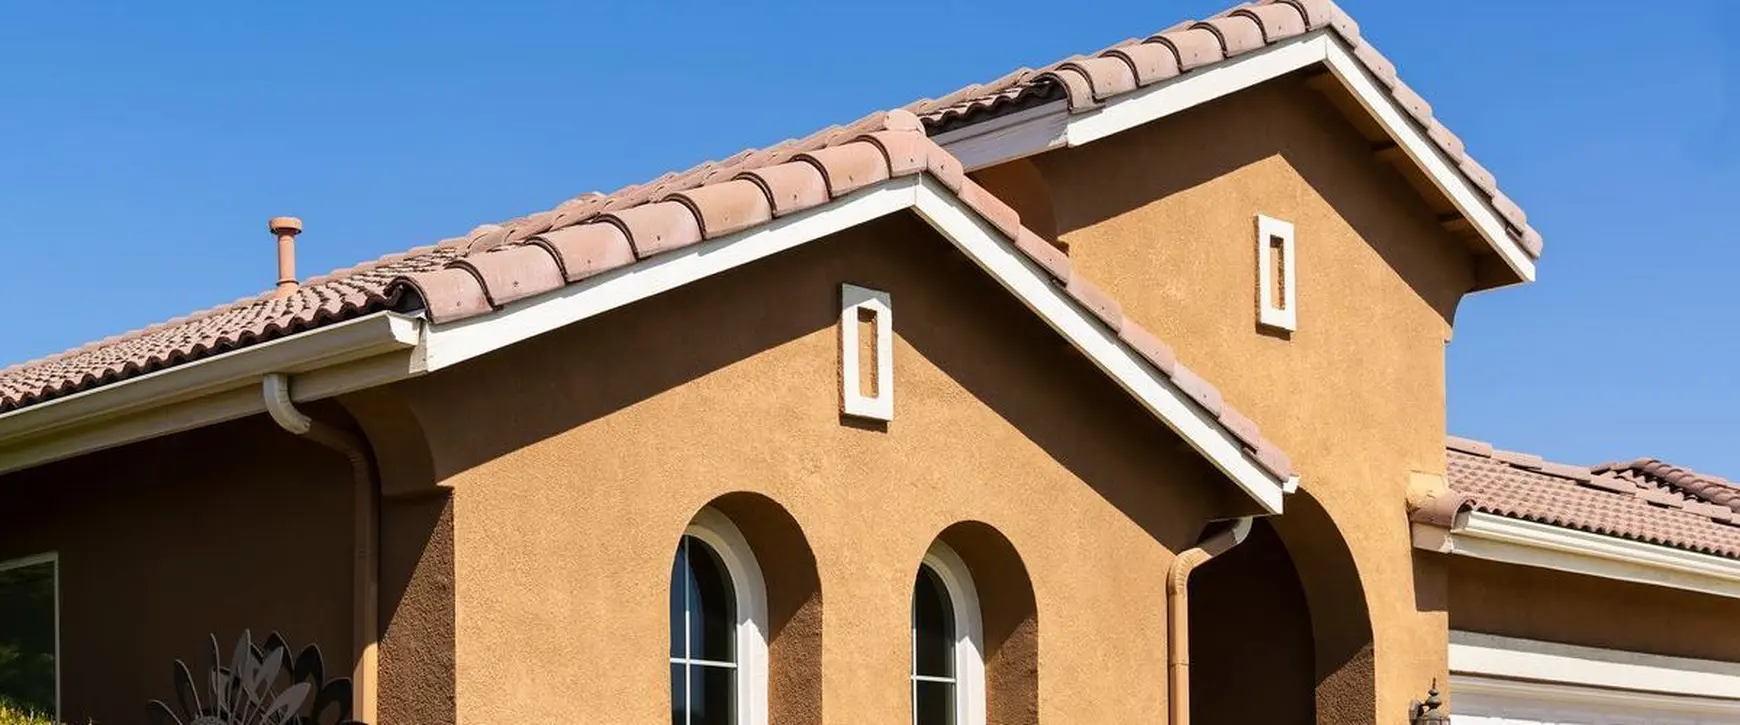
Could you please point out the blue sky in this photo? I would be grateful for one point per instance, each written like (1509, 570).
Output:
(143, 152)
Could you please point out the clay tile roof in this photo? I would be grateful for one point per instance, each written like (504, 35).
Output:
(1087, 82)
(1643, 500)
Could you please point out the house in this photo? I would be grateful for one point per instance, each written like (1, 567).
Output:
(1110, 392)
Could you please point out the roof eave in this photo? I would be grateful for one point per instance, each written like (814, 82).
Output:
(1527, 543)
(1054, 125)
(371, 350)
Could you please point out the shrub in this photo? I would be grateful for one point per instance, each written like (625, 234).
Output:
(14, 714)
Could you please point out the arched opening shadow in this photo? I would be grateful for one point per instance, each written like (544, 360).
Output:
(794, 605)
(1010, 619)
(1283, 613)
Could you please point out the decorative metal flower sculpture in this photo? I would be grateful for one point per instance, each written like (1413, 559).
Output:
(260, 686)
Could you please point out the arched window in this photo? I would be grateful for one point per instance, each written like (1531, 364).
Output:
(718, 627)
(948, 666)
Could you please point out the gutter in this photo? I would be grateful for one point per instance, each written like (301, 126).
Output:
(1178, 610)
(331, 360)
(1526, 543)
(365, 536)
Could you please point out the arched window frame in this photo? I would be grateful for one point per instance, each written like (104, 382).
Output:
(716, 530)
(969, 647)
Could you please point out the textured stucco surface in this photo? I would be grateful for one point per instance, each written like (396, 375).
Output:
(1162, 218)
(602, 440)
(1533, 603)
(165, 543)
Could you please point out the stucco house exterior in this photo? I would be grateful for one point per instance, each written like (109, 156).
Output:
(1109, 392)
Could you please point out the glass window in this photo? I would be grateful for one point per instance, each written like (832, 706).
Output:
(27, 636)
(933, 651)
(703, 638)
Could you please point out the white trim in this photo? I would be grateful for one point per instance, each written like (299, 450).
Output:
(450, 344)
(998, 256)
(1283, 315)
(853, 300)
(716, 529)
(1512, 541)
(331, 360)
(1511, 659)
(1192, 89)
(1036, 131)
(1473, 205)
(957, 579)
(446, 345)
(1006, 138)
(52, 558)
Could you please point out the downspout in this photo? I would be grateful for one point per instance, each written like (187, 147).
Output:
(365, 557)
(1178, 607)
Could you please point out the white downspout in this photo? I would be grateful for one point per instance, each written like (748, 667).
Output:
(365, 563)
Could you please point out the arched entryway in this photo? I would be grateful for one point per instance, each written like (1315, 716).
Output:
(1279, 628)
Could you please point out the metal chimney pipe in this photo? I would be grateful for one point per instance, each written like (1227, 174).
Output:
(286, 228)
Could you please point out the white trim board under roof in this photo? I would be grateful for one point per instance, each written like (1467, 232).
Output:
(1054, 125)
(445, 345)
(1527, 543)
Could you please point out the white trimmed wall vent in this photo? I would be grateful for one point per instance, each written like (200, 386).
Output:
(1277, 284)
(866, 353)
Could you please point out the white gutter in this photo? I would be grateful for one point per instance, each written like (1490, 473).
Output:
(339, 358)
(1526, 543)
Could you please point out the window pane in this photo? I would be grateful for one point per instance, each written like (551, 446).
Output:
(27, 636)
(712, 695)
(679, 695)
(933, 703)
(712, 607)
(933, 629)
(679, 595)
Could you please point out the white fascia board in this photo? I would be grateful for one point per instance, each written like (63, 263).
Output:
(998, 256)
(1197, 87)
(350, 355)
(453, 343)
(1473, 204)
(1037, 130)
(1526, 543)
(1500, 661)
(1006, 138)
(447, 345)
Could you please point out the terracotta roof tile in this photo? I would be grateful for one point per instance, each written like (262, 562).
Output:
(1088, 81)
(1643, 500)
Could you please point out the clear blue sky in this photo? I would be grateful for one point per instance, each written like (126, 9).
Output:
(144, 146)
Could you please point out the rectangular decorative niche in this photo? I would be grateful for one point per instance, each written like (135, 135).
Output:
(866, 353)
(1277, 283)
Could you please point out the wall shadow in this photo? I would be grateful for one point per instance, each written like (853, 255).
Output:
(794, 604)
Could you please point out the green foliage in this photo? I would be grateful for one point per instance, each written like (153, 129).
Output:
(13, 714)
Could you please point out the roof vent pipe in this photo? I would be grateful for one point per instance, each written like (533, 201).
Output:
(286, 227)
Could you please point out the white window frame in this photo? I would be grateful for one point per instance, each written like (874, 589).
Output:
(957, 581)
(854, 299)
(1285, 315)
(716, 530)
(51, 558)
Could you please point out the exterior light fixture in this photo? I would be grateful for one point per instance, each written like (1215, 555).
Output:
(1430, 712)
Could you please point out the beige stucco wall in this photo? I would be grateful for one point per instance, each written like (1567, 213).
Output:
(167, 543)
(1533, 603)
(1162, 218)
(577, 458)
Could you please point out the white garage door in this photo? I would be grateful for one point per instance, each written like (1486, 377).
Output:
(1559, 706)
(1506, 681)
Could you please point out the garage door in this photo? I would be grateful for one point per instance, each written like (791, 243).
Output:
(1561, 706)
(1506, 681)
